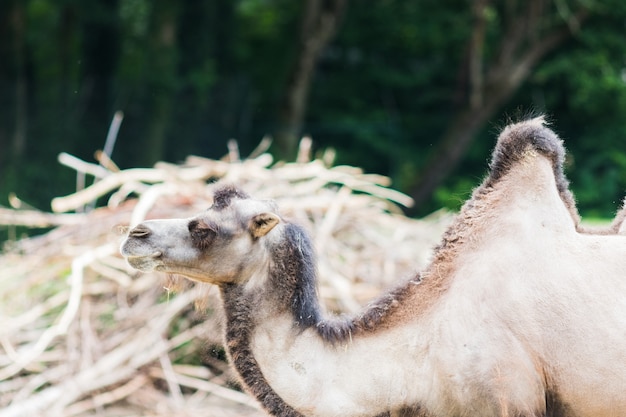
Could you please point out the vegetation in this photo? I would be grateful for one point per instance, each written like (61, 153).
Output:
(409, 89)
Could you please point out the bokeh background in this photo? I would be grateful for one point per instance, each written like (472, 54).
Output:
(412, 89)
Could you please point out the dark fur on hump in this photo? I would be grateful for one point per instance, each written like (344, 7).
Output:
(224, 195)
(513, 144)
(516, 139)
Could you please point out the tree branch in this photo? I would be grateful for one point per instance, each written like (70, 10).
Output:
(320, 19)
(520, 50)
(477, 44)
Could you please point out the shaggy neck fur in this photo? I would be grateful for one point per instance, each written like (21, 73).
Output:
(292, 292)
(239, 314)
(292, 278)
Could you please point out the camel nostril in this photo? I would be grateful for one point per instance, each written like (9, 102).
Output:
(140, 231)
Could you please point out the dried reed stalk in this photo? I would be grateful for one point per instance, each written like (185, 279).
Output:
(85, 335)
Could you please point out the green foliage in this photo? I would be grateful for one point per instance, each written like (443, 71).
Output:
(191, 75)
(386, 91)
(584, 89)
(454, 195)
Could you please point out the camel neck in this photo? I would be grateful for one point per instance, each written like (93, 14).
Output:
(290, 292)
(283, 348)
(292, 289)
(239, 316)
(295, 372)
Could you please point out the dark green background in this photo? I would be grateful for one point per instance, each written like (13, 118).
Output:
(189, 75)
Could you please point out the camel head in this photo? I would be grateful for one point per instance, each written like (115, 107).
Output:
(222, 245)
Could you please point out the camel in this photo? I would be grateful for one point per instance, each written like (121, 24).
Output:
(517, 314)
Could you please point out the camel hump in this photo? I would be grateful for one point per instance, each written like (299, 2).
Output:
(518, 139)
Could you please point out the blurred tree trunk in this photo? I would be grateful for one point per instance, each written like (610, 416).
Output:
(68, 55)
(100, 50)
(162, 80)
(21, 97)
(319, 22)
(523, 44)
(11, 22)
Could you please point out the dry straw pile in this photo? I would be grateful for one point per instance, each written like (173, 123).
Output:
(84, 335)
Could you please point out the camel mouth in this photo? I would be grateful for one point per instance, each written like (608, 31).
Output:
(153, 255)
(146, 263)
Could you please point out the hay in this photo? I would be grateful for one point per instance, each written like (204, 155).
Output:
(84, 334)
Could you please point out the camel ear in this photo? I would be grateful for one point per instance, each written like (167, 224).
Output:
(261, 224)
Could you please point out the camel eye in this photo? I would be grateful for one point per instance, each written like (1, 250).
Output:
(201, 233)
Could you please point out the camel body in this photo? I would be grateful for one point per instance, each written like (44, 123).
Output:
(518, 314)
